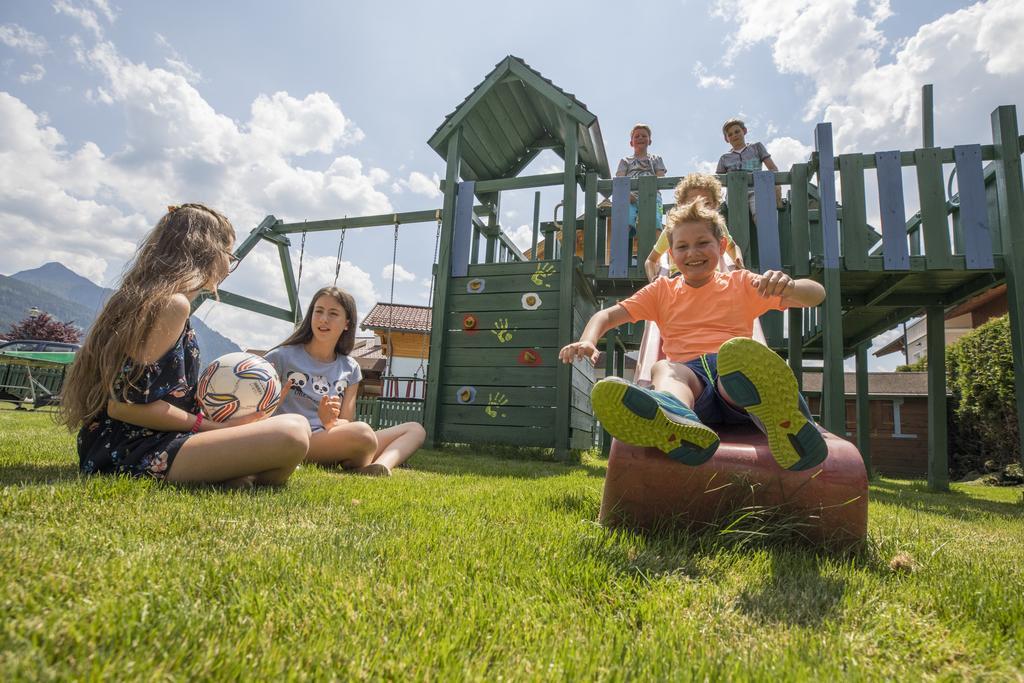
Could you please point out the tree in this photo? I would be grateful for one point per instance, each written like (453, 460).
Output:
(46, 328)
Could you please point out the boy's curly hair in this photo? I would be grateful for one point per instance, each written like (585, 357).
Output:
(703, 182)
(733, 122)
(695, 212)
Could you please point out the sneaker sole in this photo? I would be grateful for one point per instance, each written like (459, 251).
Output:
(633, 417)
(758, 380)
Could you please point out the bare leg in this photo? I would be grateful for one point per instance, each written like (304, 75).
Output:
(351, 445)
(396, 444)
(678, 380)
(269, 449)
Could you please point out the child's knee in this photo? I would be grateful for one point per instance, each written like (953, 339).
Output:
(417, 430)
(364, 437)
(662, 368)
(294, 432)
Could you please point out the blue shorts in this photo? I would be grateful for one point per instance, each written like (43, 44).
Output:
(634, 211)
(710, 407)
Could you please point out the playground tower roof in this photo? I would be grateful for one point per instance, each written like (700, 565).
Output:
(511, 116)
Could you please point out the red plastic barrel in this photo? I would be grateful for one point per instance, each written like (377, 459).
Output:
(644, 488)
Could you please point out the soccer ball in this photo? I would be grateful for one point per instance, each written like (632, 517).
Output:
(238, 384)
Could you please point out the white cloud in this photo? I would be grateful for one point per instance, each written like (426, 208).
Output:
(176, 63)
(522, 236)
(33, 75)
(418, 183)
(971, 56)
(104, 7)
(706, 80)
(401, 274)
(88, 207)
(787, 151)
(86, 17)
(14, 36)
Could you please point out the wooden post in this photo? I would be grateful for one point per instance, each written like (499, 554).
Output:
(290, 284)
(1011, 219)
(938, 448)
(492, 234)
(796, 346)
(833, 399)
(864, 408)
(440, 303)
(566, 289)
(590, 224)
(610, 342)
(927, 116)
(536, 224)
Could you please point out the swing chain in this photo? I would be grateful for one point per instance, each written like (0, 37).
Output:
(302, 254)
(341, 250)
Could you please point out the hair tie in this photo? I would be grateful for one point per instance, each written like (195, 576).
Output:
(171, 208)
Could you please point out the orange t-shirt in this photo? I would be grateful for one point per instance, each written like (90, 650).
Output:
(698, 320)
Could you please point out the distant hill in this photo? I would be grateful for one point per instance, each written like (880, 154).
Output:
(67, 296)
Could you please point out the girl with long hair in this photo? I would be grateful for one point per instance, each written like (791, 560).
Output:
(324, 383)
(131, 392)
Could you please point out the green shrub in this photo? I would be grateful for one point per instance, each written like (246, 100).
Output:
(919, 365)
(980, 372)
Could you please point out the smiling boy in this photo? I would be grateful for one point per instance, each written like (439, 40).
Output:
(744, 157)
(642, 163)
(714, 373)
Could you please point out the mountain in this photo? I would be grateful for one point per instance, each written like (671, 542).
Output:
(67, 296)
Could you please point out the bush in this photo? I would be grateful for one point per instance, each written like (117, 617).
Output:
(981, 376)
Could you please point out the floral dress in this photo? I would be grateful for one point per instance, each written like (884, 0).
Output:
(106, 445)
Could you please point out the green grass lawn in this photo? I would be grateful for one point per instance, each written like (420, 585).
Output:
(481, 568)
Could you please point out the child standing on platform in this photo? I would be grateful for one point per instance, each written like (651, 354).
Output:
(714, 372)
(744, 157)
(132, 388)
(642, 163)
(691, 188)
(324, 384)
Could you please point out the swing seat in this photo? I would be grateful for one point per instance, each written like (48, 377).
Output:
(827, 504)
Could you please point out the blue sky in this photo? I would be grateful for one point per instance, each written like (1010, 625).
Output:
(322, 109)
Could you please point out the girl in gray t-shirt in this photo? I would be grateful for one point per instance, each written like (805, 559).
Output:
(323, 381)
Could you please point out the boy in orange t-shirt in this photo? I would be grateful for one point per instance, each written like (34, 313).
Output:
(714, 372)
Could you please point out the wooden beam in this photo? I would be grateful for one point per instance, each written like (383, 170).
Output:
(384, 219)
(938, 447)
(1010, 191)
(520, 183)
(255, 306)
(565, 294)
(438, 324)
(864, 409)
(833, 402)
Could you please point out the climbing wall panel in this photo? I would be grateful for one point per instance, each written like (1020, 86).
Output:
(498, 380)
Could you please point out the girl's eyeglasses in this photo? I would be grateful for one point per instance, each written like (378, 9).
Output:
(234, 261)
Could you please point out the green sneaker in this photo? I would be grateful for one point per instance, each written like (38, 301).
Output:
(652, 418)
(757, 379)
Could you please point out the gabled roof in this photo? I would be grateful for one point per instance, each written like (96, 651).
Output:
(510, 117)
(879, 384)
(398, 317)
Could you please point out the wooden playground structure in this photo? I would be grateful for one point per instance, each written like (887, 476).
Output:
(499, 318)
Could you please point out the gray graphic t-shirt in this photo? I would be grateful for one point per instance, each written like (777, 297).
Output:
(749, 158)
(312, 380)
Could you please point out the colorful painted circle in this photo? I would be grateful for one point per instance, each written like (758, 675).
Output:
(475, 286)
(465, 395)
(531, 301)
(469, 322)
(529, 357)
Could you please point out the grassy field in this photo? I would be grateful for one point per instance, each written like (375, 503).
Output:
(470, 567)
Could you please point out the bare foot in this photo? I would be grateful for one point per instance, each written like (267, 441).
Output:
(374, 469)
(242, 483)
